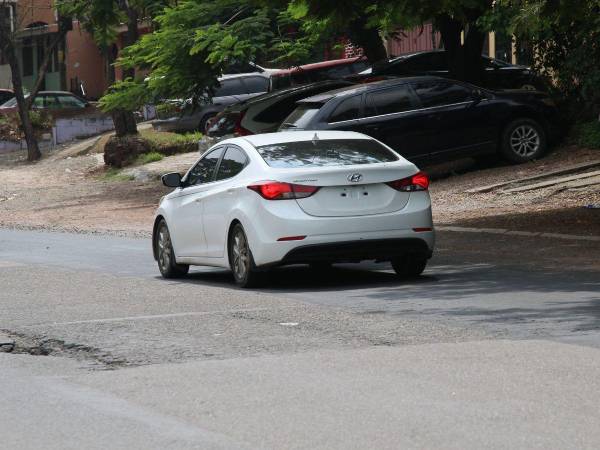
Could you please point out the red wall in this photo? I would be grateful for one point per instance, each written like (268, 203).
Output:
(415, 40)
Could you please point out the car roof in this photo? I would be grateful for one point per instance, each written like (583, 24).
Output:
(243, 75)
(352, 90)
(56, 93)
(258, 140)
(320, 65)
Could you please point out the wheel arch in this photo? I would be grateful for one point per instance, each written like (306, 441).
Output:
(519, 114)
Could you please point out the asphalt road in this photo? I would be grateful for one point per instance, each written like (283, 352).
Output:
(495, 346)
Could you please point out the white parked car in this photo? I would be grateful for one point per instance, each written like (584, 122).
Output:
(299, 197)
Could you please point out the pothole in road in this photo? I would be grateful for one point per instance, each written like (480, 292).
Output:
(38, 346)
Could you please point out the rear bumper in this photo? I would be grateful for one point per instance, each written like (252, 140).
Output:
(276, 220)
(355, 251)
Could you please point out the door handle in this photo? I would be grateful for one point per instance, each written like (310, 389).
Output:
(230, 191)
(198, 200)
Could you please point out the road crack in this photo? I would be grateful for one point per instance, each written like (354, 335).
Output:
(44, 346)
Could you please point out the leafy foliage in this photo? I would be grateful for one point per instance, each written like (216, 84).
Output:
(566, 38)
(588, 134)
(146, 158)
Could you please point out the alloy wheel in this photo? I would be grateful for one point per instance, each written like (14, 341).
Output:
(164, 249)
(525, 140)
(241, 255)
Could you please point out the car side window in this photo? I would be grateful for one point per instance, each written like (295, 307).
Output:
(51, 102)
(348, 109)
(232, 86)
(389, 101)
(204, 170)
(256, 84)
(440, 93)
(232, 163)
(68, 101)
(38, 102)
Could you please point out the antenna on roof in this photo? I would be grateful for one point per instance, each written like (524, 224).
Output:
(315, 139)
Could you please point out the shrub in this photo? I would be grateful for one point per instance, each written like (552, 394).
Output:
(171, 143)
(588, 134)
(146, 158)
(113, 174)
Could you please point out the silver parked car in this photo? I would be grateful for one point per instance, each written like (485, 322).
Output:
(231, 89)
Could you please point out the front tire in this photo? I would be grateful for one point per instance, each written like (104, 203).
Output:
(523, 140)
(409, 266)
(166, 255)
(241, 261)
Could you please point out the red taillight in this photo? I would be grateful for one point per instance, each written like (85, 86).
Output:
(418, 182)
(238, 129)
(275, 190)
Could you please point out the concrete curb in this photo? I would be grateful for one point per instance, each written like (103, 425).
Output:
(518, 233)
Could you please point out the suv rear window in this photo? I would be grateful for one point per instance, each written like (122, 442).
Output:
(301, 116)
(330, 152)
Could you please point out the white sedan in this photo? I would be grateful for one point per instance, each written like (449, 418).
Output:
(297, 197)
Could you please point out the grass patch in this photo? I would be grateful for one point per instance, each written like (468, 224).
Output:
(170, 143)
(146, 158)
(113, 174)
(587, 134)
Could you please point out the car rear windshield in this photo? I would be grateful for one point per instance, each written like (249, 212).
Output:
(301, 116)
(330, 152)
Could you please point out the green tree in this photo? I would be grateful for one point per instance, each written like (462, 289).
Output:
(565, 37)
(102, 18)
(194, 43)
(365, 22)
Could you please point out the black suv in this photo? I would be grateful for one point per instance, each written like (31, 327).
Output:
(431, 118)
(497, 74)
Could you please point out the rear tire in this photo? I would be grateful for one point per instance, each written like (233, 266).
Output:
(241, 260)
(523, 140)
(166, 256)
(409, 266)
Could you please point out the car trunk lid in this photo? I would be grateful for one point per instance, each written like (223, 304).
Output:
(352, 190)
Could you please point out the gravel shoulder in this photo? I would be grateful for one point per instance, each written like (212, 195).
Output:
(69, 190)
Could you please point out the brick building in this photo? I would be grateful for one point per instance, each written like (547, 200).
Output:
(76, 63)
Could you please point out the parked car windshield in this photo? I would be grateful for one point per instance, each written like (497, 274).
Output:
(330, 152)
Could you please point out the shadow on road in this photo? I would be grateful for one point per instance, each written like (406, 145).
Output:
(477, 293)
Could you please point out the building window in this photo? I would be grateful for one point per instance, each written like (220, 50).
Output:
(27, 59)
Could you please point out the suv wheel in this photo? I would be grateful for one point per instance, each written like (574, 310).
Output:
(523, 140)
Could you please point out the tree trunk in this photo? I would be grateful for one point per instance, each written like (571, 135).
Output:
(464, 60)
(368, 39)
(33, 151)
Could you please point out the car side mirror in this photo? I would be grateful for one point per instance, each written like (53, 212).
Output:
(172, 179)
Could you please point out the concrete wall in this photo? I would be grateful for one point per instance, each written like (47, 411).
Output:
(5, 77)
(69, 129)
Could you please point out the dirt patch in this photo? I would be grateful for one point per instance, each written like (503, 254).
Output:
(452, 204)
(580, 221)
(68, 190)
